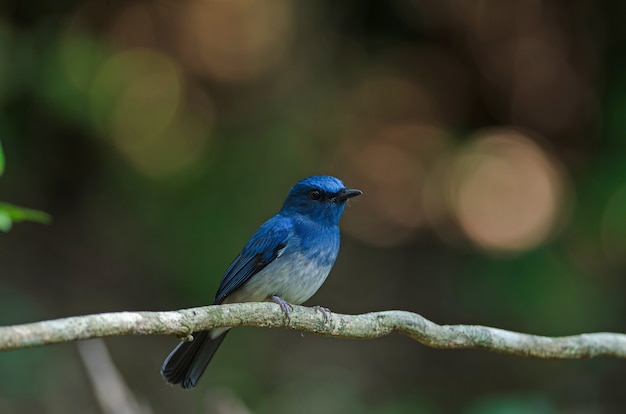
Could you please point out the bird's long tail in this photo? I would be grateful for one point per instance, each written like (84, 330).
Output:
(187, 362)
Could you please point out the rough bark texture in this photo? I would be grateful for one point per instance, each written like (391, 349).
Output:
(370, 325)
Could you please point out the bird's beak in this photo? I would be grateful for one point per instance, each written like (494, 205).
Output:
(347, 193)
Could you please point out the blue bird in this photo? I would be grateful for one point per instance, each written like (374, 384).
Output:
(286, 261)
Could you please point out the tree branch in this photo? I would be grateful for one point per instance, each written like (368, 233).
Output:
(370, 325)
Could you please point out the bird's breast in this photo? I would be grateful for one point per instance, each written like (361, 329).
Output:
(294, 276)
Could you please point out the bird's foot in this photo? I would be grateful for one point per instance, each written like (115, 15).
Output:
(186, 338)
(325, 311)
(285, 306)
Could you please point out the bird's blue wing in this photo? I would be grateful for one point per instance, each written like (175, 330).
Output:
(262, 249)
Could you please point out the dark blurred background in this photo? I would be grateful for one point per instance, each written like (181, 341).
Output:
(489, 139)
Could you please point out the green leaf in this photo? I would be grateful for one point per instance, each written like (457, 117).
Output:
(16, 214)
(1, 160)
(5, 221)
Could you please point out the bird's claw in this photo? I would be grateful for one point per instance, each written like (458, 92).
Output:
(285, 306)
(325, 311)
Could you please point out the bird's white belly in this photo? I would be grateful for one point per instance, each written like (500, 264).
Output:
(292, 277)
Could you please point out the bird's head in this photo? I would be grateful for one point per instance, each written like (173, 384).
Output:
(320, 197)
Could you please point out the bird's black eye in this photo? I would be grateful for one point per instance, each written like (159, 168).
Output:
(315, 194)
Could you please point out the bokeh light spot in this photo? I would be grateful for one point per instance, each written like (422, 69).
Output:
(135, 101)
(172, 150)
(135, 94)
(234, 40)
(505, 192)
(391, 170)
(80, 56)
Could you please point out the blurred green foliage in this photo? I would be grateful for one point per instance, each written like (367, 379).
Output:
(10, 214)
